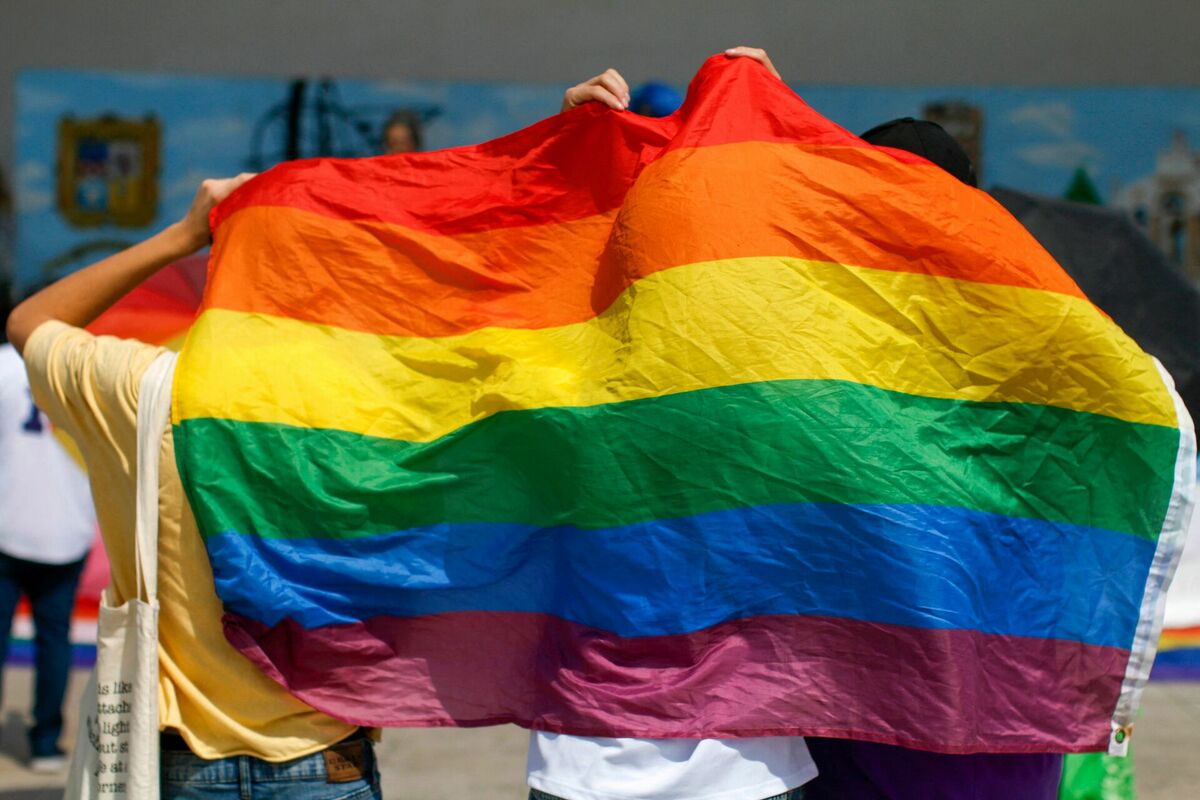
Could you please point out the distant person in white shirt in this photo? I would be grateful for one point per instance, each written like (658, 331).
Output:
(47, 525)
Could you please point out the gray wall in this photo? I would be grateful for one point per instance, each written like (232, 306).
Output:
(891, 42)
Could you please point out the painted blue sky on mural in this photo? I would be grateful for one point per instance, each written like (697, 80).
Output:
(1033, 139)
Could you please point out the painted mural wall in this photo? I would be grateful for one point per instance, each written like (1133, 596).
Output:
(103, 159)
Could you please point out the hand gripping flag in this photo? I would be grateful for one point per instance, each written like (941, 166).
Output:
(723, 424)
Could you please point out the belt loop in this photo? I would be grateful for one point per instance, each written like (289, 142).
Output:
(245, 778)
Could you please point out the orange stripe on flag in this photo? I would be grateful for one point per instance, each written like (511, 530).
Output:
(389, 279)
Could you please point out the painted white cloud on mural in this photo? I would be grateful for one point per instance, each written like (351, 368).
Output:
(32, 186)
(1066, 154)
(32, 172)
(205, 131)
(1055, 118)
(38, 99)
(1062, 148)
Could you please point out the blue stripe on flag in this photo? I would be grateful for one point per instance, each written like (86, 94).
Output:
(955, 569)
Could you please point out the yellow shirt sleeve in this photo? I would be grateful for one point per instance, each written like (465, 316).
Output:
(88, 386)
(214, 697)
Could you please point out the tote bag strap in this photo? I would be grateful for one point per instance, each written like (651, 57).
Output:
(153, 414)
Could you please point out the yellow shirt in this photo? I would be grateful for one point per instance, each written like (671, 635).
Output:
(219, 702)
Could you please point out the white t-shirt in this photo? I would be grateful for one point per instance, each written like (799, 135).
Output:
(46, 512)
(584, 768)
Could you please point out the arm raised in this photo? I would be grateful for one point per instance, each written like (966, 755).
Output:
(82, 296)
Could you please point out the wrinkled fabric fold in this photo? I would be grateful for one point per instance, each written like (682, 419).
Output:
(722, 424)
(479, 668)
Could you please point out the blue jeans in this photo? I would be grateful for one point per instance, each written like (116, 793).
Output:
(51, 592)
(186, 776)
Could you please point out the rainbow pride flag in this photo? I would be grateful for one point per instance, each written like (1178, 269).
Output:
(724, 424)
(160, 309)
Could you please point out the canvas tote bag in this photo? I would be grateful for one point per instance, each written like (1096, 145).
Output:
(116, 745)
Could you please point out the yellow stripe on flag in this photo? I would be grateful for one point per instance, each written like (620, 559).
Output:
(690, 327)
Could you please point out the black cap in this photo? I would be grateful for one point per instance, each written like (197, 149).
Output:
(928, 140)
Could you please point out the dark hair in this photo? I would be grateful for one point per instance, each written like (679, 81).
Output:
(926, 139)
(6, 201)
(409, 119)
(6, 307)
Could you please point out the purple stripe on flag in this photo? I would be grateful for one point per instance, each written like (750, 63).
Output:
(954, 691)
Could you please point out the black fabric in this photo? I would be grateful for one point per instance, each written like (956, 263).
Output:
(928, 140)
(864, 771)
(1125, 274)
(172, 742)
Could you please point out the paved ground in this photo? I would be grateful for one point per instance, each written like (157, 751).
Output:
(489, 763)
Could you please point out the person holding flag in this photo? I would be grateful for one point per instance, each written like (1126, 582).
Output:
(215, 707)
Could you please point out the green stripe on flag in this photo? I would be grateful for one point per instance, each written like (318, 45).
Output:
(683, 454)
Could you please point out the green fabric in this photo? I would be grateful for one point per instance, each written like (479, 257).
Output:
(1097, 776)
(684, 454)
